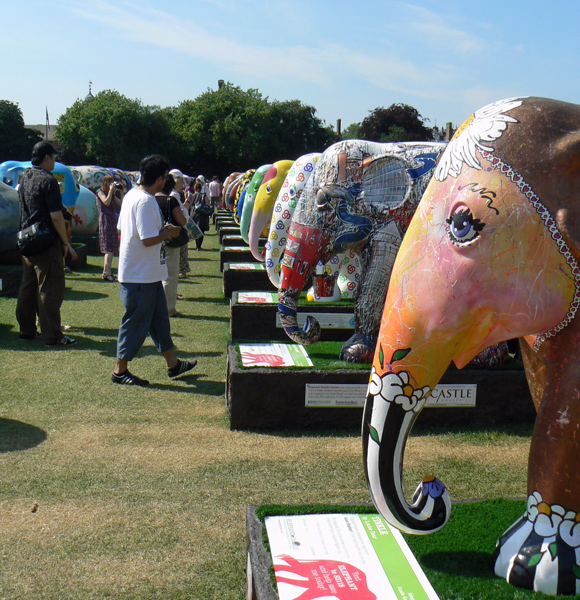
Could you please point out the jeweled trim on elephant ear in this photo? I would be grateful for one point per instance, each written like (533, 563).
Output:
(556, 234)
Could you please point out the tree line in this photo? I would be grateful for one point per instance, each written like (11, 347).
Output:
(219, 132)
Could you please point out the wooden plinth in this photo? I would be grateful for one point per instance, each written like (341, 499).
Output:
(259, 322)
(274, 398)
(237, 279)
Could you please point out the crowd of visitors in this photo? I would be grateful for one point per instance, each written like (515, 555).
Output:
(146, 225)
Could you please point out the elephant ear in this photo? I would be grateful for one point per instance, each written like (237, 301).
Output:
(566, 153)
(386, 183)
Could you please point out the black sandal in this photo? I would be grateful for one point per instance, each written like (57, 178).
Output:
(109, 277)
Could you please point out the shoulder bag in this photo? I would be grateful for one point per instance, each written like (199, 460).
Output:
(183, 238)
(35, 239)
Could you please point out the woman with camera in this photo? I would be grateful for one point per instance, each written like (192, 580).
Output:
(109, 199)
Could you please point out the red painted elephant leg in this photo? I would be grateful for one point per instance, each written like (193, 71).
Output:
(542, 550)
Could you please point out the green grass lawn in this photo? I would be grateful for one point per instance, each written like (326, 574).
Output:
(128, 493)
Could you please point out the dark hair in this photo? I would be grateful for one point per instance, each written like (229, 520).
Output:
(169, 185)
(197, 186)
(40, 151)
(152, 168)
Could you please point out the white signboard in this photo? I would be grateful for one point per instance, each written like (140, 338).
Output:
(257, 298)
(349, 557)
(354, 395)
(274, 355)
(246, 266)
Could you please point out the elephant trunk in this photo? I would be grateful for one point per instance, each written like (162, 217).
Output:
(386, 426)
(287, 310)
(303, 251)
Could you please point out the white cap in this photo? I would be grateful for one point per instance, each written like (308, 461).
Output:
(201, 178)
(177, 174)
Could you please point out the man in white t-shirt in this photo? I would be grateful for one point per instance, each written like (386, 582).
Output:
(141, 270)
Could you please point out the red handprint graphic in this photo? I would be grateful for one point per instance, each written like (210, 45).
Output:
(274, 360)
(325, 578)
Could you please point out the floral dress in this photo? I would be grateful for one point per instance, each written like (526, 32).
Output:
(108, 216)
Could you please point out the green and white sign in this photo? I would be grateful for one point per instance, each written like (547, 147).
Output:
(257, 298)
(348, 557)
(274, 355)
(246, 266)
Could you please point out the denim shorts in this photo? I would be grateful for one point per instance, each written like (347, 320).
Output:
(145, 313)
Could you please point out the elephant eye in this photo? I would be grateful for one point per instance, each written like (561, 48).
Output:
(463, 228)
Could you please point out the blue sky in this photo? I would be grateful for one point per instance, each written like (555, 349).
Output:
(445, 58)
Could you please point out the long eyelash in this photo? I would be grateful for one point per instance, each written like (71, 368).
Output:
(466, 214)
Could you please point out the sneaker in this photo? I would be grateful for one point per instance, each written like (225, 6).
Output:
(127, 378)
(64, 342)
(182, 366)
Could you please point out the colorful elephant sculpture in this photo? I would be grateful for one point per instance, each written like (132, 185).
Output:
(492, 254)
(343, 269)
(9, 218)
(271, 186)
(241, 193)
(229, 191)
(361, 196)
(248, 208)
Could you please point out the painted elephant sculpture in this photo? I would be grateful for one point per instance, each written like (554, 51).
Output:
(241, 194)
(283, 210)
(248, 207)
(229, 191)
(343, 270)
(272, 184)
(492, 253)
(9, 218)
(361, 196)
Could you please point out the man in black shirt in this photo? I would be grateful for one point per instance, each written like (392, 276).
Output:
(42, 288)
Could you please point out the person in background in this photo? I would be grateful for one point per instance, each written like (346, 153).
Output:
(202, 219)
(109, 199)
(142, 269)
(179, 193)
(215, 192)
(204, 188)
(42, 288)
(172, 213)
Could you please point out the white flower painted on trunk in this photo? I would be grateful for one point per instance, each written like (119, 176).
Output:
(486, 125)
(395, 387)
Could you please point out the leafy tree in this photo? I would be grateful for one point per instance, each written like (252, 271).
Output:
(295, 130)
(230, 129)
(113, 131)
(399, 122)
(16, 140)
(352, 132)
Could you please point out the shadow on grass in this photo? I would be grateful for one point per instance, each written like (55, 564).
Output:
(206, 318)
(16, 436)
(223, 301)
(195, 385)
(474, 565)
(74, 296)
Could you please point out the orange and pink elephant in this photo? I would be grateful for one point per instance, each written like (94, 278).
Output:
(491, 254)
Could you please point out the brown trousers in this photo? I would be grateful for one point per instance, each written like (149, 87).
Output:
(41, 293)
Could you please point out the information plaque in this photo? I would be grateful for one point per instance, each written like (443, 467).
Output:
(351, 557)
(444, 395)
